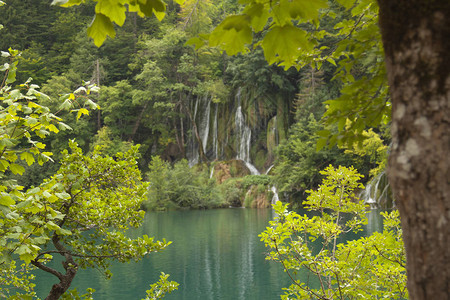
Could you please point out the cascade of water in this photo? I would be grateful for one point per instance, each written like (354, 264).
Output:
(201, 116)
(204, 122)
(377, 193)
(244, 137)
(268, 170)
(275, 197)
(215, 139)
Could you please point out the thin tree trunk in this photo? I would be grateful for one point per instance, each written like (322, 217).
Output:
(97, 67)
(416, 38)
(179, 137)
(138, 122)
(182, 136)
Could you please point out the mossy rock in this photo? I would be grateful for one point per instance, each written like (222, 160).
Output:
(261, 160)
(225, 170)
(256, 197)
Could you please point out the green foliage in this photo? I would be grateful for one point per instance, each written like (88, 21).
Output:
(232, 192)
(298, 163)
(83, 211)
(161, 288)
(180, 187)
(300, 33)
(249, 180)
(108, 143)
(374, 150)
(368, 267)
(110, 12)
(73, 295)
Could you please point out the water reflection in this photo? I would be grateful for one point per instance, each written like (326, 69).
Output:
(216, 254)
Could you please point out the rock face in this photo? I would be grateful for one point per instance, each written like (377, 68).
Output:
(244, 128)
(224, 170)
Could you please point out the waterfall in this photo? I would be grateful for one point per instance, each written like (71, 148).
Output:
(377, 193)
(204, 123)
(215, 139)
(244, 134)
(275, 197)
(268, 170)
(211, 173)
(201, 116)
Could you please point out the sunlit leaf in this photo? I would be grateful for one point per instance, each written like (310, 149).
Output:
(285, 43)
(100, 28)
(232, 34)
(112, 9)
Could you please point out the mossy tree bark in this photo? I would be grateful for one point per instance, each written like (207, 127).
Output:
(416, 38)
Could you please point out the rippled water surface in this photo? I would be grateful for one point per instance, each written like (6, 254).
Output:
(215, 254)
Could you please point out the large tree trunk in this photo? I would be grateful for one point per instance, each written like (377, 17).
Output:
(416, 38)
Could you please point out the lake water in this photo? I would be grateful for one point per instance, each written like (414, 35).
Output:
(215, 254)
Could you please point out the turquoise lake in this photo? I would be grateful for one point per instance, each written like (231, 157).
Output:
(215, 254)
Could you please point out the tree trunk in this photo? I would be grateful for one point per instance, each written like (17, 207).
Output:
(99, 116)
(138, 122)
(65, 280)
(416, 39)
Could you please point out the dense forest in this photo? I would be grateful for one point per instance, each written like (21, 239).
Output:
(300, 112)
(213, 110)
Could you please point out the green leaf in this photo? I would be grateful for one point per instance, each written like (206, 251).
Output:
(6, 200)
(306, 9)
(258, 15)
(64, 126)
(331, 61)
(101, 27)
(114, 10)
(82, 111)
(196, 42)
(53, 128)
(285, 43)
(346, 3)
(28, 157)
(61, 231)
(67, 3)
(232, 34)
(149, 7)
(16, 169)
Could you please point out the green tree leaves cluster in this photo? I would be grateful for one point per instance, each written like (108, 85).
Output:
(180, 187)
(108, 13)
(300, 33)
(80, 214)
(309, 246)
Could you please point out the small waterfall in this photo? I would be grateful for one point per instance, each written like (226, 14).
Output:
(215, 139)
(212, 172)
(244, 137)
(377, 193)
(275, 197)
(201, 115)
(203, 123)
(268, 170)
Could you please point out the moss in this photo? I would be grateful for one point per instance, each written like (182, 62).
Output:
(260, 160)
